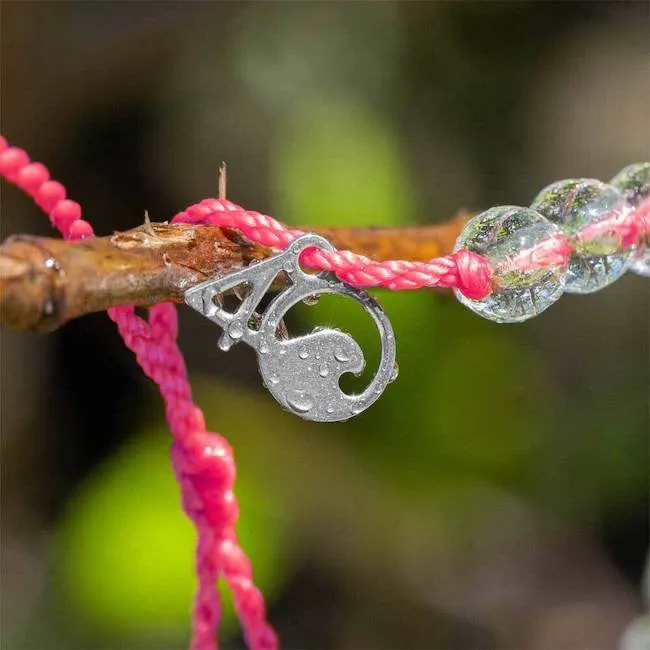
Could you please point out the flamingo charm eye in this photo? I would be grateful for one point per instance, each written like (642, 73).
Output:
(302, 373)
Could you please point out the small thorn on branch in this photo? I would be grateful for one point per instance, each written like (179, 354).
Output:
(147, 224)
(223, 178)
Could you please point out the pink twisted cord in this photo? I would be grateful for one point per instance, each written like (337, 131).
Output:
(203, 462)
(462, 270)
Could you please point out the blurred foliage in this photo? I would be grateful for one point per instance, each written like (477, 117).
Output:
(359, 59)
(339, 164)
(124, 547)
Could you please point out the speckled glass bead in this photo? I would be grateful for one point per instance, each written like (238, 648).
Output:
(510, 238)
(634, 184)
(588, 211)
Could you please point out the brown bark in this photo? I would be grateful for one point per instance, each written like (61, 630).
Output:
(45, 282)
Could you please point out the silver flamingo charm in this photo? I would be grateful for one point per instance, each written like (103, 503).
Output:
(302, 373)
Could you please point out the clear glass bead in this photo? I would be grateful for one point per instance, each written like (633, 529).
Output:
(526, 277)
(634, 184)
(588, 211)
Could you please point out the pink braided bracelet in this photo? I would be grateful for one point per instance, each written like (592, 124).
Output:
(203, 461)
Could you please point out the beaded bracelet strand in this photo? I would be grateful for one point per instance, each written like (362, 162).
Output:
(509, 264)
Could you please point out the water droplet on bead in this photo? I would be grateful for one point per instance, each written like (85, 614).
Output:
(590, 214)
(303, 353)
(509, 238)
(235, 330)
(341, 355)
(633, 182)
(323, 371)
(300, 401)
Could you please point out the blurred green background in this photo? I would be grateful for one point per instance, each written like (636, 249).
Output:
(497, 495)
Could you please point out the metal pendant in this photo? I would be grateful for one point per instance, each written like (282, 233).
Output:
(302, 373)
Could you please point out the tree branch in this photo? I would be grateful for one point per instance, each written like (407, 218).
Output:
(45, 282)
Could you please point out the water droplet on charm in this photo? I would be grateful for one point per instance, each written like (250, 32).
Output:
(317, 357)
(395, 372)
(341, 355)
(311, 300)
(300, 401)
(330, 410)
(235, 330)
(323, 371)
(264, 348)
(274, 379)
(282, 351)
(288, 267)
(302, 353)
(357, 407)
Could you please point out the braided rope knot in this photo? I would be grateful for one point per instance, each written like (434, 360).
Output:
(205, 469)
(474, 275)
